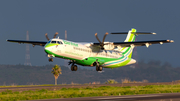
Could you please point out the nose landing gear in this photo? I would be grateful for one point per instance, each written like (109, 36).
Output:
(50, 58)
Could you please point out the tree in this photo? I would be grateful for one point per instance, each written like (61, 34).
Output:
(56, 70)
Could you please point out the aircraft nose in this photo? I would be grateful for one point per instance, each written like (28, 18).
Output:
(47, 49)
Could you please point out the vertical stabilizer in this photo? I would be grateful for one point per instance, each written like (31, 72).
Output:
(127, 51)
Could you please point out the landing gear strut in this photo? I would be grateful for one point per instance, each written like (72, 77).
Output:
(98, 67)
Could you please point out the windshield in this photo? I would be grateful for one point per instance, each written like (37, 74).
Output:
(53, 41)
(49, 41)
(58, 42)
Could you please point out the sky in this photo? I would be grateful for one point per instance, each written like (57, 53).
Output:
(82, 19)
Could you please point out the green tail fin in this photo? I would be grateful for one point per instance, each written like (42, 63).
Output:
(127, 51)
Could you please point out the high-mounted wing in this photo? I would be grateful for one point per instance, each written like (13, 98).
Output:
(137, 43)
(41, 43)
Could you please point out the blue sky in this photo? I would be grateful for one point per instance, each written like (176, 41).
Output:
(82, 19)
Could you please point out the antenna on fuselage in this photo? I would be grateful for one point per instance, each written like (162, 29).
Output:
(65, 35)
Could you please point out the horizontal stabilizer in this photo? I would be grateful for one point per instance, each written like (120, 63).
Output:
(136, 33)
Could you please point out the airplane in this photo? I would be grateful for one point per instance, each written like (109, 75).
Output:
(102, 54)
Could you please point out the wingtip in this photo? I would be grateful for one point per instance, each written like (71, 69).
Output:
(153, 33)
(170, 40)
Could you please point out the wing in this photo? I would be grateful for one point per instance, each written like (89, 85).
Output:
(41, 43)
(136, 43)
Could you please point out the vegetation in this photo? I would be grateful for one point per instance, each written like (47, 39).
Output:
(56, 70)
(153, 71)
(111, 81)
(129, 81)
(87, 92)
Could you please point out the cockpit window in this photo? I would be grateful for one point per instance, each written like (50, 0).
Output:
(53, 41)
(59, 42)
(49, 41)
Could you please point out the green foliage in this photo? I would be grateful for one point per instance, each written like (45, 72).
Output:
(6, 92)
(153, 71)
(56, 70)
(87, 92)
(111, 81)
(64, 89)
(43, 90)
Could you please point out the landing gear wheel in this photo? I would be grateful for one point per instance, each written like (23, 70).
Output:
(99, 68)
(74, 68)
(50, 59)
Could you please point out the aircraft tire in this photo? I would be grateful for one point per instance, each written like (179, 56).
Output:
(72, 68)
(75, 67)
(50, 59)
(100, 68)
(97, 68)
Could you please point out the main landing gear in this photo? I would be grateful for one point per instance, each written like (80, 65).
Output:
(73, 67)
(98, 67)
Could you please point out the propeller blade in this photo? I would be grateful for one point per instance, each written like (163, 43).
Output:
(47, 37)
(55, 34)
(98, 38)
(105, 37)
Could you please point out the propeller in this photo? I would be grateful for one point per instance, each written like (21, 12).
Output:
(53, 37)
(55, 34)
(47, 37)
(101, 43)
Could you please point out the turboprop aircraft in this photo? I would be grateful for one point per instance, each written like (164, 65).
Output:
(102, 54)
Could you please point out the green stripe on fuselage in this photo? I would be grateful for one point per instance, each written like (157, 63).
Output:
(50, 44)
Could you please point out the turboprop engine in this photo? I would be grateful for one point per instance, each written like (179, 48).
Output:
(108, 46)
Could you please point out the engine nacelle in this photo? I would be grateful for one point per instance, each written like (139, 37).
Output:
(108, 46)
